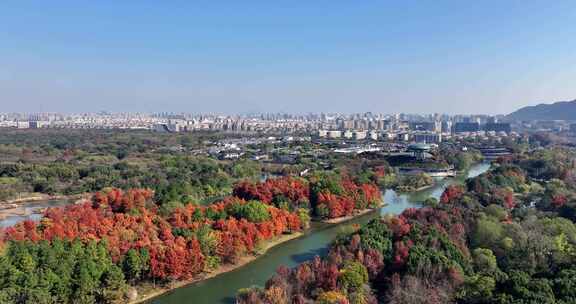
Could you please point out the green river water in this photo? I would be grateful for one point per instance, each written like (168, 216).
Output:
(222, 289)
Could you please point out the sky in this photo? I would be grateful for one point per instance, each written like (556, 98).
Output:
(488, 57)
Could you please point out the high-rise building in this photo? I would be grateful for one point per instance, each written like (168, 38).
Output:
(446, 126)
(462, 127)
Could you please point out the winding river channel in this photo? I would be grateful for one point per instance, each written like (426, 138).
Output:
(222, 288)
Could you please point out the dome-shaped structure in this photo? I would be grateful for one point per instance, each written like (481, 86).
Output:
(419, 150)
(419, 147)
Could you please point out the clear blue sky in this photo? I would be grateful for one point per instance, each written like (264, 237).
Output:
(291, 56)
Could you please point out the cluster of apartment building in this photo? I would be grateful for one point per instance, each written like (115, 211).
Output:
(77, 121)
(428, 129)
(404, 127)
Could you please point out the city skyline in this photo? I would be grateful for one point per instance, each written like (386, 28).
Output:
(486, 58)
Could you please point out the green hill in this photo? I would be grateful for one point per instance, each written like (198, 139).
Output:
(563, 110)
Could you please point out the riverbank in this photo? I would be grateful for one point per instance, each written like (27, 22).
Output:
(151, 292)
(408, 190)
(44, 197)
(343, 219)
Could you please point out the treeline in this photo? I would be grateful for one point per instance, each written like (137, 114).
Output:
(72, 162)
(325, 194)
(377, 168)
(54, 161)
(461, 160)
(39, 144)
(173, 177)
(501, 238)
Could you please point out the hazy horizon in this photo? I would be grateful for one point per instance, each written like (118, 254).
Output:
(489, 57)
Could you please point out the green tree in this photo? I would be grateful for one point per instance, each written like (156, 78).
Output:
(353, 276)
(133, 265)
(113, 285)
(477, 289)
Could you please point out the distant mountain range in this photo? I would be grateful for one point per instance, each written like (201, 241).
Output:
(562, 110)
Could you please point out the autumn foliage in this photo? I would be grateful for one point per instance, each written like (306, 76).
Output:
(329, 196)
(452, 192)
(162, 242)
(174, 245)
(275, 190)
(429, 243)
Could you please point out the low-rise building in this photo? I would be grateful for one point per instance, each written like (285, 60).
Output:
(373, 135)
(334, 134)
(403, 137)
(427, 137)
(359, 135)
(348, 134)
(22, 124)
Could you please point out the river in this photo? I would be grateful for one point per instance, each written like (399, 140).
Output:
(222, 289)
